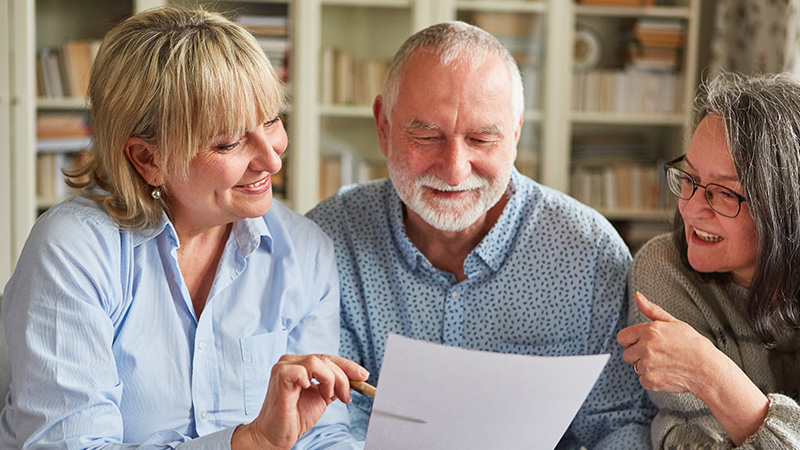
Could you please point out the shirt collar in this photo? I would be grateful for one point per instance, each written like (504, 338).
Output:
(248, 234)
(492, 250)
(494, 247)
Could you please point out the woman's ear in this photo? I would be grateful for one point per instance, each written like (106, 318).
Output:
(146, 161)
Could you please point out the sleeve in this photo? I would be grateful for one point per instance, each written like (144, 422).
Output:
(683, 420)
(318, 332)
(57, 311)
(780, 429)
(617, 413)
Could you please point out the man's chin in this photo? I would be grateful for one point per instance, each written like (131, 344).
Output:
(451, 221)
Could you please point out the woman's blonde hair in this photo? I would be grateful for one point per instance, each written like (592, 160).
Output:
(175, 78)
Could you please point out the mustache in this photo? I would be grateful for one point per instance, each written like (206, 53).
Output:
(432, 181)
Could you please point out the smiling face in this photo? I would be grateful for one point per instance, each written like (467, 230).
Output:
(228, 181)
(452, 139)
(716, 243)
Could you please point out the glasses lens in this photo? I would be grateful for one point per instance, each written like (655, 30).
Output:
(723, 200)
(680, 183)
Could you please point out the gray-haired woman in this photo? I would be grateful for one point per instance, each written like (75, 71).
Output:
(719, 347)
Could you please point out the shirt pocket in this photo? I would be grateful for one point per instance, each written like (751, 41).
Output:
(259, 354)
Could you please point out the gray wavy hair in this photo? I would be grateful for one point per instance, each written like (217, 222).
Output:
(762, 125)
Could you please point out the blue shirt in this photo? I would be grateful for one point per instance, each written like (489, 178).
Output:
(548, 279)
(106, 349)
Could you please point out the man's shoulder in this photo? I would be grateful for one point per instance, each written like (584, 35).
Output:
(550, 207)
(355, 203)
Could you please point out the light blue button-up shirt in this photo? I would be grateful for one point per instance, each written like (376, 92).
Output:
(107, 351)
(547, 280)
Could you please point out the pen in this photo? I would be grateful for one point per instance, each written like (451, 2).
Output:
(363, 387)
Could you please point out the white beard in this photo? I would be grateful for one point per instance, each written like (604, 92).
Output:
(448, 215)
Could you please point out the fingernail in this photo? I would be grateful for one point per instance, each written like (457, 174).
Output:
(364, 373)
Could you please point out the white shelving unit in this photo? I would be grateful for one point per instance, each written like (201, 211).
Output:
(368, 29)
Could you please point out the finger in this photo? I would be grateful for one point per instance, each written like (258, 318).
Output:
(651, 310)
(352, 372)
(632, 355)
(333, 381)
(630, 335)
(350, 368)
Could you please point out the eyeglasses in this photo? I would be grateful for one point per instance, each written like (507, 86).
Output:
(722, 200)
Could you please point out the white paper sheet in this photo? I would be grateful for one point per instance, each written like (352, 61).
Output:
(433, 396)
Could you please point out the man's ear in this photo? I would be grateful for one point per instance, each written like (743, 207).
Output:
(382, 124)
(146, 161)
(518, 131)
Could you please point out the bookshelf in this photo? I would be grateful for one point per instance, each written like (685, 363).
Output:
(331, 133)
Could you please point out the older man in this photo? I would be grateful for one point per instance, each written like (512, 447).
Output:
(458, 248)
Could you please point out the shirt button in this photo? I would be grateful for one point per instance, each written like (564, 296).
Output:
(426, 265)
(454, 294)
(203, 415)
(201, 344)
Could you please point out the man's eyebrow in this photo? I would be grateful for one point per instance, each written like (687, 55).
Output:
(418, 124)
(491, 129)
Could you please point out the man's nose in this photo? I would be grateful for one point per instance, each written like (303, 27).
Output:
(454, 164)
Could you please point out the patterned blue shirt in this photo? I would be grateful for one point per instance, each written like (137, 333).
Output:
(107, 351)
(548, 279)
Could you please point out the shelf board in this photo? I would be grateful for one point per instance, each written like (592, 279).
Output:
(62, 103)
(666, 12)
(514, 6)
(615, 118)
(657, 215)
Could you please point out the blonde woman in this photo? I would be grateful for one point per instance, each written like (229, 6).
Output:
(174, 304)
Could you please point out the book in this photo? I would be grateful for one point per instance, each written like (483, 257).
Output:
(56, 125)
(264, 25)
(77, 66)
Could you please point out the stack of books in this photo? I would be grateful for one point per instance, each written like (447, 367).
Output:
(272, 34)
(347, 80)
(63, 71)
(615, 173)
(61, 140)
(658, 45)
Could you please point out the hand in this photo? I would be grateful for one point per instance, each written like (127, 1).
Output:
(300, 389)
(669, 354)
(672, 356)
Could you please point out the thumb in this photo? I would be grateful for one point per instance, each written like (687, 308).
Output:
(651, 310)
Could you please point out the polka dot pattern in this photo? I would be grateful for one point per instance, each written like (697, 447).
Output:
(548, 280)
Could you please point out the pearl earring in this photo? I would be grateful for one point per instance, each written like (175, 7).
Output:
(156, 193)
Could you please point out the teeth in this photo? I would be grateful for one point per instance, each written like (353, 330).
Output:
(257, 183)
(707, 236)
